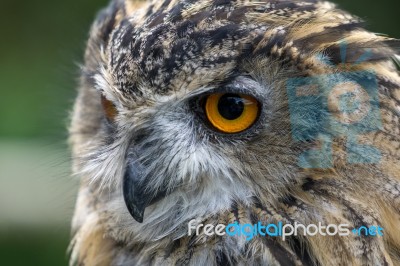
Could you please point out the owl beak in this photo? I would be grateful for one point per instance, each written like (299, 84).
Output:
(135, 196)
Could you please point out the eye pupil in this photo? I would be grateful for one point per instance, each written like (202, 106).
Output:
(231, 106)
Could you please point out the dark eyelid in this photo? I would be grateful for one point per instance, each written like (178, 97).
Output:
(229, 89)
(243, 84)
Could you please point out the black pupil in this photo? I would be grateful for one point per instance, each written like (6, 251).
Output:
(230, 106)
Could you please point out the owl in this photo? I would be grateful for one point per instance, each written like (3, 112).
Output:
(235, 112)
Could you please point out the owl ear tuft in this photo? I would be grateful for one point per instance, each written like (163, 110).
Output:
(106, 21)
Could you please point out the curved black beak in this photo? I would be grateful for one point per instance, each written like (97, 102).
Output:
(135, 197)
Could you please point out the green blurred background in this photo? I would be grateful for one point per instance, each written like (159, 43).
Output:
(41, 47)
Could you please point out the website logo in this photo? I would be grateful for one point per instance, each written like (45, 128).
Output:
(343, 103)
(249, 231)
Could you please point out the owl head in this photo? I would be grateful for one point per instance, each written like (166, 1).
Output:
(234, 111)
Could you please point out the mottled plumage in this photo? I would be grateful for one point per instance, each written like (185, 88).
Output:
(151, 59)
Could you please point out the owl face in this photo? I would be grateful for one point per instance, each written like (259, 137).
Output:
(185, 112)
(190, 109)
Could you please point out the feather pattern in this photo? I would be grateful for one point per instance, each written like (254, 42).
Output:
(150, 58)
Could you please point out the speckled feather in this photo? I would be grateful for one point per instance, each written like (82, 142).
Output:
(148, 58)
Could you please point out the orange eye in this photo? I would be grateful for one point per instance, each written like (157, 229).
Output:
(231, 113)
(109, 108)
